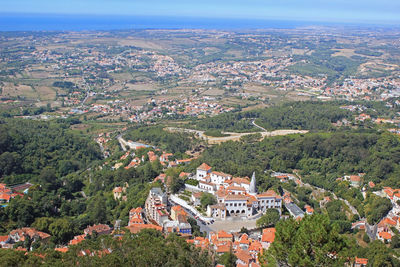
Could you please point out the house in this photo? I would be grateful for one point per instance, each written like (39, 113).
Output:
(309, 209)
(177, 227)
(117, 192)
(243, 257)
(4, 239)
(26, 232)
(385, 236)
(268, 237)
(216, 211)
(177, 211)
(100, 229)
(355, 180)
(77, 239)
(360, 262)
(223, 236)
(202, 171)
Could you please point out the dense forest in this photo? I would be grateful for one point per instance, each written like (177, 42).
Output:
(296, 115)
(27, 147)
(330, 155)
(156, 136)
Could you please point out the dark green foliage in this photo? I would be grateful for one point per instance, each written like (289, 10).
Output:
(27, 147)
(215, 133)
(307, 243)
(155, 135)
(207, 199)
(192, 182)
(366, 238)
(228, 259)
(148, 248)
(270, 218)
(311, 115)
(376, 208)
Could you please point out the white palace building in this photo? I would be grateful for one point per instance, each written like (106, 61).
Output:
(235, 196)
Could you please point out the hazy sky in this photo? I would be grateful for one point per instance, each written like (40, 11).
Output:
(317, 10)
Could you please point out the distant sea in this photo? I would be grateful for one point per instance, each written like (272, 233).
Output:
(27, 22)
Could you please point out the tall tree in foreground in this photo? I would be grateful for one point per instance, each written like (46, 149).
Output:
(313, 241)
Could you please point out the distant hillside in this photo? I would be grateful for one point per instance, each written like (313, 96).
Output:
(310, 115)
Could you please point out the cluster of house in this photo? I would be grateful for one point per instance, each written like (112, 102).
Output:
(157, 213)
(384, 229)
(6, 193)
(235, 196)
(166, 159)
(21, 235)
(246, 248)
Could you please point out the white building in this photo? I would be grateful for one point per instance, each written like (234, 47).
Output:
(235, 196)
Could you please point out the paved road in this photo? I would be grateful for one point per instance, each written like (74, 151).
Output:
(122, 142)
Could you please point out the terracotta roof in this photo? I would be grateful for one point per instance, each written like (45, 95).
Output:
(3, 238)
(221, 174)
(255, 246)
(99, 228)
(204, 167)
(235, 188)
(136, 228)
(268, 235)
(77, 239)
(361, 261)
(223, 234)
(239, 180)
(387, 221)
(244, 256)
(223, 248)
(236, 197)
(117, 190)
(355, 178)
(64, 250)
(385, 235)
(31, 232)
(269, 193)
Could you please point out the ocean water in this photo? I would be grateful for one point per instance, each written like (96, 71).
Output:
(27, 22)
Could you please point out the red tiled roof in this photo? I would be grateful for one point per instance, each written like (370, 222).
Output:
(355, 178)
(204, 167)
(31, 232)
(361, 261)
(64, 250)
(385, 235)
(223, 234)
(136, 228)
(239, 180)
(268, 235)
(3, 238)
(244, 256)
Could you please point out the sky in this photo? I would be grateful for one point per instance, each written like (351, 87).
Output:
(365, 11)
